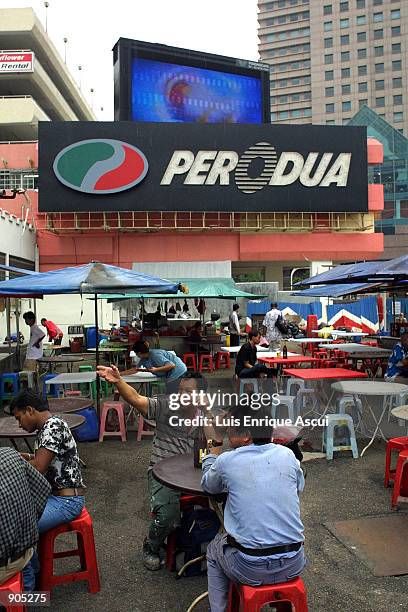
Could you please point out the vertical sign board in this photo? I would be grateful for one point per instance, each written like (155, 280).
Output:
(125, 166)
(16, 61)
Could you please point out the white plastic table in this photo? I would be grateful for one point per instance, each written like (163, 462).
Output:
(235, 349)
(73, 378)
(141, 380)
(366, 389)
(305, 341)
(401, 413)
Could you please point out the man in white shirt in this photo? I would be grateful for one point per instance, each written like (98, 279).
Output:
(273, 335)
(234, 327)
(34, 348)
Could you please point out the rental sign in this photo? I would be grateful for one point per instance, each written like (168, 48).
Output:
(125, 166)
(16, 61)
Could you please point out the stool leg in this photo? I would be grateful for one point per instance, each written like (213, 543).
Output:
(122, 426)
(387, 467)
(353, 442)
(103, 424)
(397, 483)
(91, 561)
(329, 441)
(140, 424)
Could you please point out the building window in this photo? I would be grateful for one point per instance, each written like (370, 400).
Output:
(330, 108)
(345, 39)
(344, 6)
(396, 48)
(396, 14)
(379, 68)
(380, 102)
(377, 2)
(328, 75)
(360, 4)
(378, 34)
(396, 31)
(307, 95)
(283, 115)
(398, 117)
(397, 82)
(397, 100)
(346, 106)
(330, 122)
(362, 87)
(378, 17)
(283, 99)
(379, 85)
(361, 53)
(307, 112)
(361, 36)
(345, 56)
(329, 92)
(396, 65)
(328, 42)
(361, 20)
(362, 103)
(362, 70)
(328, 59)
(328, 26)
(345, 89)
(327, 9)
(295, 113)
(344, 23)
(378, 51)
(345, 73)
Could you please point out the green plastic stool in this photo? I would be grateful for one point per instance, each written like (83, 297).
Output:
(106, 388)
(83, 387)
(157, 387)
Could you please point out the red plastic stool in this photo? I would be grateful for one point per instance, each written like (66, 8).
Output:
(187, 502)
(400, 492)
(13, 585)
(142, 429)
(189, 359)
(222, 359)
(203, 366)
(251, 599)
(85, 551)
(73, 394)
(394, 444)
(120, 409)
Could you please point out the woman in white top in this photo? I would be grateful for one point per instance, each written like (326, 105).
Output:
(273, 335)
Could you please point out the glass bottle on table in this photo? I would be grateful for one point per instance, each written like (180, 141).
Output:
(285, 352)
(200, 447)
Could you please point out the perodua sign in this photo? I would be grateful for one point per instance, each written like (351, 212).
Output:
(129, 166)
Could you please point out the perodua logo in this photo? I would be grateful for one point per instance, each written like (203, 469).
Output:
(100, 166)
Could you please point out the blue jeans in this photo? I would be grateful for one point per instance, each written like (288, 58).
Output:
(57, 511)
(225, 563)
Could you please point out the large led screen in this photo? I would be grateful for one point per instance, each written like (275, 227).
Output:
(162, 91)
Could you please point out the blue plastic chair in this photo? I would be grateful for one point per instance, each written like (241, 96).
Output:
(50, 390)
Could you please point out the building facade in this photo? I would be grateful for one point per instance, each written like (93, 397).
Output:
(329, 58)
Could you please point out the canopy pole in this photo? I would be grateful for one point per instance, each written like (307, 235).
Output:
(17, 313)
(98, 382)
(8, 317)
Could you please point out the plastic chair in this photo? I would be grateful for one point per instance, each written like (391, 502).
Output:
(119, 407)
(251, 599)
(248, 381)
(9, 386)
(222, 360)
(291, 403)
(50, 390)
(294, 382)
(13, 585)
(400, 492)
(339, 420)
(189, 359)
(85, 551)
(394, 444)
(209, 366)
(350, 400)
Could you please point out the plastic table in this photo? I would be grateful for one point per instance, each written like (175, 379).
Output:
(235, 349)
(305, 341)
(67, 359)
(287, 360)
(401, 413)
(74, 378)
(68, 404)
(386, 390)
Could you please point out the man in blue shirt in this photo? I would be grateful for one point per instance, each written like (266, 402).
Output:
(161, 363)
(263, 543)
(397, 370)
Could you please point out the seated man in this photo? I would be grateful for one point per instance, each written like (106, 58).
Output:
(23, 495)
(196, 336)
(246, 364)
(168, 440)
(263, 543)
(56, 456)
(397, 370)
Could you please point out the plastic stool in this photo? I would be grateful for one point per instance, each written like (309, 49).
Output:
(85, 387)
(248, 381)
(291, 404)
(400, 492)
(141, 431)
(294, 382)
(187, 502)
(202, 366)
(85, 551)
(338, 420)
(86, 368)
(120, 409)
(9, 386)
(222, 359)
(53, 390)
(349, 400)
(13, 585)
(72, 394)
(28, 380)
(251, 599)
(157, 387)
(189, 359)
(394, 444)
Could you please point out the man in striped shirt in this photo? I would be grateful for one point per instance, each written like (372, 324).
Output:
(168, 440)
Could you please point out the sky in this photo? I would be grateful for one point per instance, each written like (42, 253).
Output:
(227, 27)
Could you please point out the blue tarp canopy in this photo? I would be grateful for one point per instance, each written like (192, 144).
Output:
(93, 278)
(369, 271)
(335, 291)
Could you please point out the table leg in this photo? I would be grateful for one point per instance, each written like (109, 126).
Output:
(386, 401)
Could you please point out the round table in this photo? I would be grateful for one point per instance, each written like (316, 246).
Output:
(386, 390)
(68, 359)
(66, 405)
(9, 427)
(178, 472)
(400, 412)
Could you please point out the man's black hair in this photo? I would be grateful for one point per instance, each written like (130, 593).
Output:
(253, 334)
(140, 347)
(274, 304)
(28, 398)
(235, 307)
(43, 319)
(259, 433)
(202, 383)
(28, 315)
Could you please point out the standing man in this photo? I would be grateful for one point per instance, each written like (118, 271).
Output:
(234, 327)
(263, 543)
(165, 365)
(246, 365)
(273, 335)
(23, 496)
(54, 332)
(34, 348)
